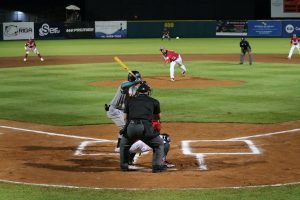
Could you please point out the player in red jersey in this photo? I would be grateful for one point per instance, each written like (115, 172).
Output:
(173, 58)
(294, 44)
(30, 45)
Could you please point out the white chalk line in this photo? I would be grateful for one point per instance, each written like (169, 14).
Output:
(186, 149)
(81, 147)
(146, 189)
(54, 134)
(84, 144)
(265, 134)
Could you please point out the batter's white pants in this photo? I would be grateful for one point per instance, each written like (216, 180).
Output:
(172, 66)
(117, 116)
(292, 50)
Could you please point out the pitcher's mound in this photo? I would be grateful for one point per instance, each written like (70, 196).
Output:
(180, 82)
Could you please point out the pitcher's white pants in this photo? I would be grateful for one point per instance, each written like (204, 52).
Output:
(172, 66)
(292, 50)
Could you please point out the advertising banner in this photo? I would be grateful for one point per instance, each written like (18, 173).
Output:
(80, 30)
(49, 30)
(290, 27)
(231, 28)
(111, 29)
(18, 30)
(265, 28)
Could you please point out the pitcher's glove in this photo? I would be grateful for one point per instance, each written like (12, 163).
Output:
(106, 107)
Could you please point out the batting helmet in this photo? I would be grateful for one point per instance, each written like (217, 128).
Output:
(132, 77)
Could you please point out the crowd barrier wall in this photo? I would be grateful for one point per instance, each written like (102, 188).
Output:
(148, 29)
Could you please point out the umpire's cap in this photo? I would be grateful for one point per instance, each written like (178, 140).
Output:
(143, 88)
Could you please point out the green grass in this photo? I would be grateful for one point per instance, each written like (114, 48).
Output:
(16, 192)
(145, 46)
(60, 95)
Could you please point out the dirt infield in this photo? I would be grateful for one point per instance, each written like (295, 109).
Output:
(60, 60)
(41, 157)
(207, 155)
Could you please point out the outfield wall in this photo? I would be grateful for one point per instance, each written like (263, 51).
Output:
(149, 29)
(185, 29)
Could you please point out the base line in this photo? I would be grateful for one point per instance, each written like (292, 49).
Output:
(53, 134)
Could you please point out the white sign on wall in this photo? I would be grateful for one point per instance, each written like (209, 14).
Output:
(18, 30)
(111, 29)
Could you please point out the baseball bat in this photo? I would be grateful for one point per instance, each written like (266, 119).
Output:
(118, 60)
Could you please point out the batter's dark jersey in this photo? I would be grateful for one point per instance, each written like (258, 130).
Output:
(142, 107)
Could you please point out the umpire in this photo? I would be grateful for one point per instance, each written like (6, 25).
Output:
(139, 111)
(245, 48)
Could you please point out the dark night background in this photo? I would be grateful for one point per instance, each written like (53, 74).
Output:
(144, 9)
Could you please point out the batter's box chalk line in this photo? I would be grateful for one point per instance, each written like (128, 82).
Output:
(186, 149)
(253, 149)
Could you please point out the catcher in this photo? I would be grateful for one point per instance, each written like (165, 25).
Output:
(30, 45)
(140, 147)
(245, 48)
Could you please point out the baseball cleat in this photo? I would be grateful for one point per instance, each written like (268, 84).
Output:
(172, 79)
(168, 164)
(117, 149)
(183, 73)
(159, 168)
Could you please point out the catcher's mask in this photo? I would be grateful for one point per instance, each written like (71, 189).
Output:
(132, 78)
(165, 137)
(144, 88)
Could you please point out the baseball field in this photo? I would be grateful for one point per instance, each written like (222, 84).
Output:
(235, 129)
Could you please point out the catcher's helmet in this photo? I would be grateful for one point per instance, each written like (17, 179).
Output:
(132, 78)
(143, 88)
(165, 137)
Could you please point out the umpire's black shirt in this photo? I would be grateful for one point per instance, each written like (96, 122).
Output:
(142, 107)
(245, 44)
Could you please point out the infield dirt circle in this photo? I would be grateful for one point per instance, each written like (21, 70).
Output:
(206, 155)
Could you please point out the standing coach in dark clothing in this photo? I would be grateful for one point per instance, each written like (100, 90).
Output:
(139, 111)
